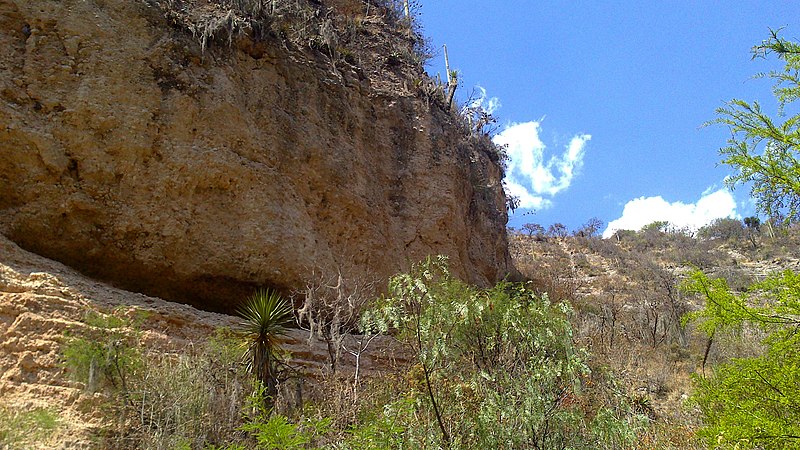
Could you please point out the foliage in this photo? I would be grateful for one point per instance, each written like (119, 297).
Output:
(534, 229)
(752, 402)
(21, 429)
(724, 228)
(276, 432)
(763, 150)
(189, 399)
(659, 225)
(590, 229)
(383, 428)
(752, 223)
(105, 356)
(495, 368)
(557, 230)
(266, 317)
(195, 397)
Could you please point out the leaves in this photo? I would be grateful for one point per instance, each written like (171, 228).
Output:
(763, 150)
(266, 317)
(494, 368)
(752, 402)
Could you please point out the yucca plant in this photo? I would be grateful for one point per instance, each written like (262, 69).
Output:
(266, 316)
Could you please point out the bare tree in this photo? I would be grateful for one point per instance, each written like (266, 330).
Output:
(331, 307)
(534, 229)
(557, 230)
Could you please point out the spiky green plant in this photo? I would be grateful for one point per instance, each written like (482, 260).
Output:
(267, 316)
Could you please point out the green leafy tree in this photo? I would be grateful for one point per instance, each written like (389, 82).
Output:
(494, 369)
(105, 355)
(751, 402)
(267, 316)
(764, 150)
(659, 226)
(752, 223)
(753, 226)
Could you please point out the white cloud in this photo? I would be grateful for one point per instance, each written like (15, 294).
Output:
(490, 105)
(646, 210)
(531, 176)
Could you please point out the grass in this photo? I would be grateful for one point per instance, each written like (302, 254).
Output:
(22, 429)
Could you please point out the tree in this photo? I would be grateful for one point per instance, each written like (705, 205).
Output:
(534, 229)
(494, 368)
(659, 226)
(590, 228)
(724, 229)
(331, 306)
(557, 230)
(762, 150)
(751, 402)
(752, 223)
(267, 316)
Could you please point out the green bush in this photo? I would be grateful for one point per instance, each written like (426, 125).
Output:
(494, 369)
(105, 356)
(272, 431)
(190, 399)
(751, 402)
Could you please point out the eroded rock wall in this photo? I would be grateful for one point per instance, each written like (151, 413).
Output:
(131, 154)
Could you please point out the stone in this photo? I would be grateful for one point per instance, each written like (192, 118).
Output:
(137, 158)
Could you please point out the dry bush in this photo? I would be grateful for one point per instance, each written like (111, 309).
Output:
(335, 397)
(194, 398)
(329, 309)
(548, 267)
(607, 248)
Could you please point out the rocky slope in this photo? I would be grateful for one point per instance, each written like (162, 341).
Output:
(195, 169)
(629, 306)
(43, 300)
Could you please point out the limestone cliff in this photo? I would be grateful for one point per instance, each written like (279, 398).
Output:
(179, 149)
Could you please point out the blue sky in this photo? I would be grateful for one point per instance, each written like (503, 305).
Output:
(602, 103)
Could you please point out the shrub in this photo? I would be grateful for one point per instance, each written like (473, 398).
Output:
(723, 229)
(276, 432)
(266, 317)
(494, 369)
(105, 356)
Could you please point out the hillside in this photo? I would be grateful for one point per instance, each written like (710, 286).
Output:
(163, 160)
(629, 305)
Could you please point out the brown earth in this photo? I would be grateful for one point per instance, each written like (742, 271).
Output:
(135, 156)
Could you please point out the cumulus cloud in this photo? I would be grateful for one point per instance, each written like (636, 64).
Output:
(642, 211)
(532, 176)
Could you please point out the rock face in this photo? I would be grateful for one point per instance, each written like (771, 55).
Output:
(131, 153)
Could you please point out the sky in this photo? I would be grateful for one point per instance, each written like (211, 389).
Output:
(602, 104)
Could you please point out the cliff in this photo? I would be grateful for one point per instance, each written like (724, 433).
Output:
(194, 150)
